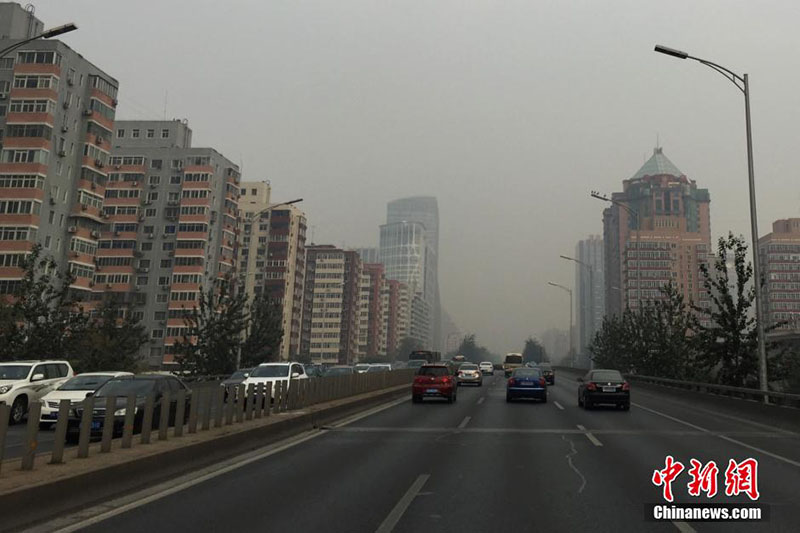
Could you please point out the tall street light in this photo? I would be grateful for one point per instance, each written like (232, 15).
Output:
(743, 84)
(635, 215)
(590, 268)
(569, 291)
(251, 216)
(47, 34)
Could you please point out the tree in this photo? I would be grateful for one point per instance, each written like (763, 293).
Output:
(42, 319)
(533, 351)
(263, 332)
(212, 339)
(728, 343)
(405, 347)
(110, 342)
(471, 350)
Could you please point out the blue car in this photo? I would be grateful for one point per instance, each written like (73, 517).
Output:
(526, 383)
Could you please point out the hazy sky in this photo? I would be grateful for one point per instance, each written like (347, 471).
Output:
(509, 111)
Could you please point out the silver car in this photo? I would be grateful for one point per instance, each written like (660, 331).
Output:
(469, 373)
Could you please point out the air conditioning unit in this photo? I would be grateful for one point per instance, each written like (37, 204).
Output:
(165, 288)
(116, 234)
(66, 104)
(93, 185)
(75, 254)
(98, 268)
(70, 81)
(87, 112)
(147, 202)
(62, 153)
(162, 322)
(99, 140)
(144, 270)
(106, 216)
(52, 201)
(115, 102)
(136, 288)
(141, 218)
(95, 234)
(135, 183)
(98, 163)
(3, 96)
(153, 185)
(151, 236)
(64, 129)
(84, 207)
(72, 229)
(117, 167)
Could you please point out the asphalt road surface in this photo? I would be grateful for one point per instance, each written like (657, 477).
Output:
(482, 464)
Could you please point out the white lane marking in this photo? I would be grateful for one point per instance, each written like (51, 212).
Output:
(571, 465)
(104, 511)
(464, 422)
(683, 527)
(481, 399)
(589, 436)
(723, 437)
(394, 516)
(558, 405)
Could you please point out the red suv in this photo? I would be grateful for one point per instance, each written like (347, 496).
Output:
(434, 381)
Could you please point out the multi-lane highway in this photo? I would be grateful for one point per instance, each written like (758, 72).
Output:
(482, 464)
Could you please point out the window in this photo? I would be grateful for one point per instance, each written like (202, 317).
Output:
(148, 229)
(165, 134)
(175, 180)
(141, 280)
(135, 133)
(160, 315)
(155, 163)
(157, 334)
(151, 133)
(163, 280)
(162, 298)
(150, 212)
(147, 246)
(166, 263)
(40, 57)
(33, 106)
(153, 196)
(6, 63)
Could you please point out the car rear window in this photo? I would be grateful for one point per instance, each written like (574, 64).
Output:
(527, 373)
(607, 375)
(468, 366)
(514, 359)
(437, 371)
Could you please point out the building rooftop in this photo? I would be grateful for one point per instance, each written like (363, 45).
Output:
(657, 165)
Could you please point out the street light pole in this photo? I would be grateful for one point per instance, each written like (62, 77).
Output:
(591, 322)
(743, 84)
(571, 345)
(52, 32)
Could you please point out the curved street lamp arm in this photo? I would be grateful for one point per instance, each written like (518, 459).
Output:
(731, 76)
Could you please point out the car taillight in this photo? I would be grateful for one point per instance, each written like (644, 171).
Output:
(626, 386)
(418, 379)
(512, 381)
(542, 382)
(591, 386)
(445, 380)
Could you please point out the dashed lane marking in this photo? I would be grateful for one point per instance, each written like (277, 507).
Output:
(394, 516)
(589, 436)
(464, 422)
(561, 407)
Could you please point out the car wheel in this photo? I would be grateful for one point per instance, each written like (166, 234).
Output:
(44, 426)
(544, 400)
(626, 406)
(587, 404)
(508, 398)
(580, 402)
(451, 398)
(18, 410)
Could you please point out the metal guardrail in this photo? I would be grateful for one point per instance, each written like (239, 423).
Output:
(774, 397)
(207, 406)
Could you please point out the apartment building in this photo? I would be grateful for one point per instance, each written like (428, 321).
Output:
(779, 254)
(372, 333)
(170, 222)
(656, 232)
(330, 325)
(272, 257)
(56, 120)
(590, 284)
(396, 314)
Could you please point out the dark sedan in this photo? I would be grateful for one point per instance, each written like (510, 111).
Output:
(142, 386)
(548, 373)
(526, 383)
(603, 386)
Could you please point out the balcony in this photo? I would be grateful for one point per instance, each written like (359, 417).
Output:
(27, 142)
(37, 68)
(86, 211)
(30, 118)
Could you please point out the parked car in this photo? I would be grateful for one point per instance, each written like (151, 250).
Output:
(340, 370)
(603, 386)
(487, 368)
(142, 386)
(379, 367)
(434, 380)
(74, 389)
(275, 372)
(526, 383)
(548, 373)
(360, 368)
(469, 373)
(512, 361)
(23, 382)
